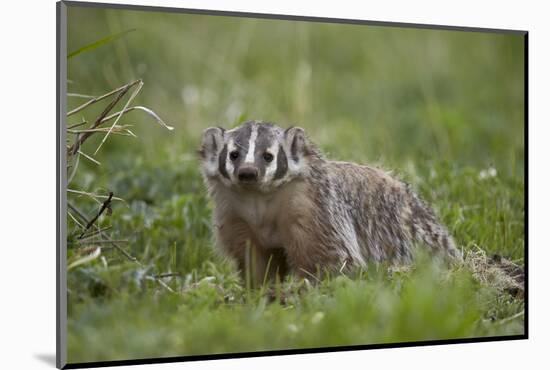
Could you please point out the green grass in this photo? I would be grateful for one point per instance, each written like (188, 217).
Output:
(442, 109)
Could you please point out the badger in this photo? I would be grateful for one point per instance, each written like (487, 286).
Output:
(281, 207)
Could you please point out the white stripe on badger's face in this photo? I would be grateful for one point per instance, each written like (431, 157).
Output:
(251, 145)
(229, 167)
(271, 167)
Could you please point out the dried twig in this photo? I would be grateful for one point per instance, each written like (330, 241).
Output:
(83, 135)
(85, 219)
(77, 125)
(74, 149)
(104, 96)
(121, 92)
(106, 205)
(132, 97)
(92, 195)
(118, 247)
(94, 233)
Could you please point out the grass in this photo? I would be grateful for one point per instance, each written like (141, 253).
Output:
(442, 109)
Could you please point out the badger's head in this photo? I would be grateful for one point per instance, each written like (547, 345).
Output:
(256, 156)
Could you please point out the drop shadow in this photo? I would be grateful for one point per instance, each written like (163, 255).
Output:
(47, 358)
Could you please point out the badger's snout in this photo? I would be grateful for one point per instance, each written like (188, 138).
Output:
(248, 174)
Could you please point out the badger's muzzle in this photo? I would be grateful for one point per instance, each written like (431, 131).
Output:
(248, 174)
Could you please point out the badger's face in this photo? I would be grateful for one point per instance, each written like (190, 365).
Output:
(255, 156)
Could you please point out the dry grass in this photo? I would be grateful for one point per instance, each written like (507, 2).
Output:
(495, 271)
(89, 233)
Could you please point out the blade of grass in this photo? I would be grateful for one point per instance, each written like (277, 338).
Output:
(89, 158)
(74, 168)
(144, 109)
(92, 256)
(93, 196)
(98, 43)
(117, 130)
(83, 96)
(75, 220)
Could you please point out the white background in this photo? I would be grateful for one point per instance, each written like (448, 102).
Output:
(27, 197)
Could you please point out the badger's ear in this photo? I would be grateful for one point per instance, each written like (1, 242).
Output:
(298, 144)
(212, 142)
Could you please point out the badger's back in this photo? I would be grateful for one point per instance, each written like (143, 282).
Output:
(375, 216)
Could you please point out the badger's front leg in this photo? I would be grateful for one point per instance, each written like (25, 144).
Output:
(307, 256)
(256, 264)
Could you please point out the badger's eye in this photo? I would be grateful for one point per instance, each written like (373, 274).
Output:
(268, 157)
(234, 155)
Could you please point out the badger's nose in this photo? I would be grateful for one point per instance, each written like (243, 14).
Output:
(248, 174)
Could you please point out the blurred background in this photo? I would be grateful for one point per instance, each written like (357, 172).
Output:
(359, 90)
(444, 110)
